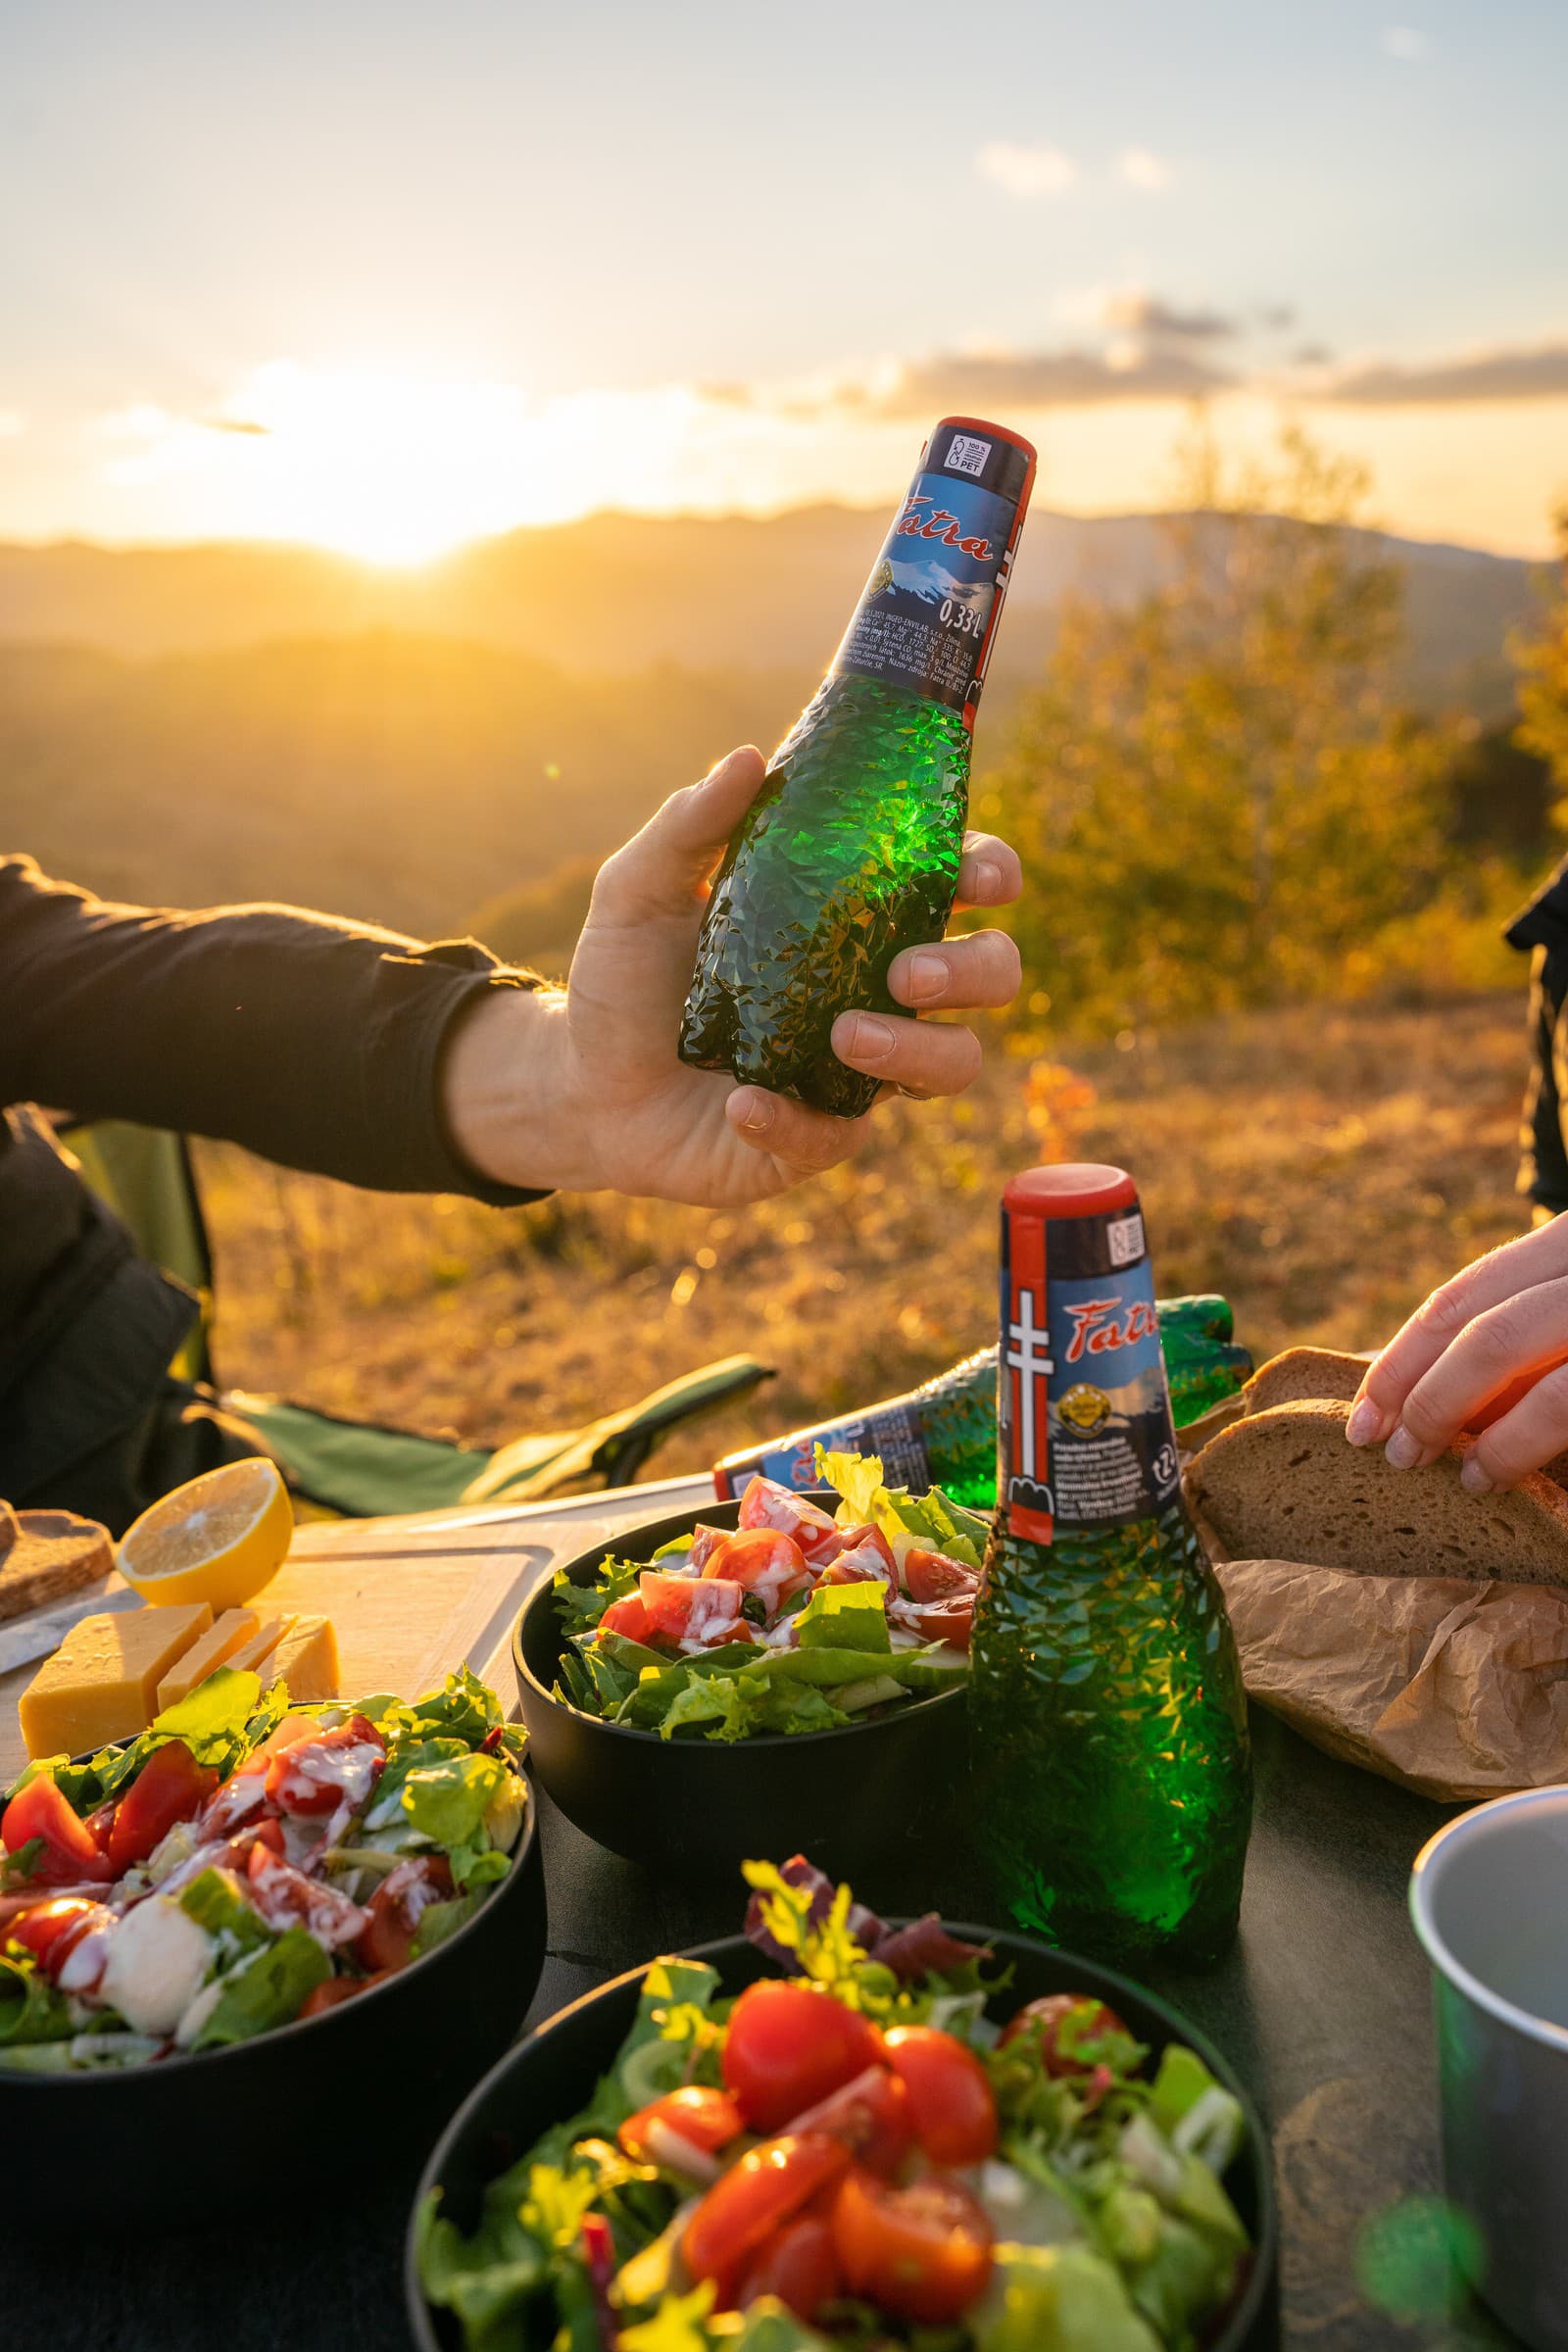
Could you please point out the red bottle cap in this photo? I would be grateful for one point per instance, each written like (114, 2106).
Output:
(1076, 1188)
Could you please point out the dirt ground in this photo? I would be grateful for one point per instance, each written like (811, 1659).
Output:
(1323, 1167)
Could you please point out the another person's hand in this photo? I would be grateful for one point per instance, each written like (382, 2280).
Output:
(585, 1090)
(1497, 1323)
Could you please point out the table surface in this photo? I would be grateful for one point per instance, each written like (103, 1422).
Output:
(1323, 2007)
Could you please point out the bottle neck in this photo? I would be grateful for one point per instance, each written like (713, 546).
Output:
(927, 615)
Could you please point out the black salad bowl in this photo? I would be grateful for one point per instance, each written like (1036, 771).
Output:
(694, 1808)
(553, 2073)
(269, 2116)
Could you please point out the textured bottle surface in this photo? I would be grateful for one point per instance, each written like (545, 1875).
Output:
(943, 1434)
(1113, 1788)
(851, 851)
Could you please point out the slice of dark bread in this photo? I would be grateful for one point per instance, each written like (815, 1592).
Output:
(1296, 1373)
(1299, 1373)
(1284, 1485)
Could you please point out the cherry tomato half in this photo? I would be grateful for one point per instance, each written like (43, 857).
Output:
(395, 1909)
(1065, 2023)
(629, 1616)
(689, 1608)
(766, 1503)
(799, 2265)
(51, 1931)
(746, 2205)
(705, 2118)
(788, 2045)
(951, 1620)
(922, 2253)
(932, 1576)
(950, 2094)
(170, 1787)
(871, 2116)
(70, 1853)
(316, 1774)
(760, 1560)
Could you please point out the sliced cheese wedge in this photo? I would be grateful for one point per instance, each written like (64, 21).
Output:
(255, 1653)
(214, 1649)
(307, 1659)
(102, 1682)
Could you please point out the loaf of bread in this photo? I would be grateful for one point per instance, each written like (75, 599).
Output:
(1301, 1372)
(1284, 1485)
(1298, 1373)
(46, 1555)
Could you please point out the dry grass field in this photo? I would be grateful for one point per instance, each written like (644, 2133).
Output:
(1324, 1167)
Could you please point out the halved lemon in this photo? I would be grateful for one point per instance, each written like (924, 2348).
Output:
(219, 1537)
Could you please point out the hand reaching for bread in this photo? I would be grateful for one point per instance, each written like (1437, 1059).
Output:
(1487, 1351)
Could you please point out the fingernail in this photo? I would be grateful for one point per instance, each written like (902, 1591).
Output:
(987, 878)
(757, 1116)
(1402, 1451)
(874, 1037)
(1367, 1423)
(927, 976)
(1473, 1478)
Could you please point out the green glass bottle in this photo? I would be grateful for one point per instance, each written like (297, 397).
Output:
(850, 851)
(943, 1432)
(1108, 1726)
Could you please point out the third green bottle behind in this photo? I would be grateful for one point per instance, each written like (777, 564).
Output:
(850, 851)
(1107, 1722)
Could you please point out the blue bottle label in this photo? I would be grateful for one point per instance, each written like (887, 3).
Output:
(927, 615)
(1085, 1428)
(893, 1433)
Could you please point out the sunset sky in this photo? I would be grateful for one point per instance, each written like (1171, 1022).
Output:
(386, 274)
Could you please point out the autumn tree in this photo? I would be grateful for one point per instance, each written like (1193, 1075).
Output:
(1543, 664)
(1216, 791)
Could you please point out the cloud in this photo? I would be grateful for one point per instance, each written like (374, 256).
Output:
(1140, 168)
(1147, 315)
(1026, 171)
(1405, 44)
(9, 423)
(232, 424)
(1540, 373)
(1044, 379)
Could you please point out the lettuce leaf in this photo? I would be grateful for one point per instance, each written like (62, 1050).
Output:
(31, 2009)
(1063, 2298)
(268, 1991)
(846, 1617)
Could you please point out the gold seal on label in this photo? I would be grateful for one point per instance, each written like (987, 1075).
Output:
(1084, 1408)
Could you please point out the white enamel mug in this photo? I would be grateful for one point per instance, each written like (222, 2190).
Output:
(1489, 1898)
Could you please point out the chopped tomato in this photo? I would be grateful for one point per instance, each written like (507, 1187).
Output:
(706, 2119)
(766, 1503)
(51, 1931)
(867, 1538)
(331, 1992)
(762, 1562)
(629, 1617)
(788, 2046)
(395, 1909)
(870, 2114)
(950, 2098)
(746, 2205)
(864, 1563)
(170, 1787)
(690, 1607)
(317, 1775)
(799, 2265)
(932, 1576)
(1069, 2026)
(950, 1621)
(922, 2253)
(70, 1853)
(706, 1541)
(286, 1899)
(241, 1799)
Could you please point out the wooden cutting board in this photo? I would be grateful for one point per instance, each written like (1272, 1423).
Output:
(411, 1602)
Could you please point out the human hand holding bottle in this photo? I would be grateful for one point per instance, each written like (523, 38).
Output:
(1488, 1351)
(584, 1089)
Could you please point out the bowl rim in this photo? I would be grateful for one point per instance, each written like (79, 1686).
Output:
(1256, 2295)
(179, 2062)
(544, 1591)
(1425, 1872)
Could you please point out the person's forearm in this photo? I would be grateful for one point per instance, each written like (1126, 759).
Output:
(315, 1043)
(507, 1098)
